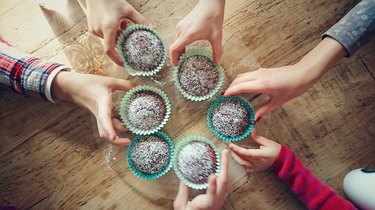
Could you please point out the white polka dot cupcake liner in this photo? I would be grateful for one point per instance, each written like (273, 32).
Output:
(180, 145)
(176, 71)
(156, 175)
(127, 99)
(119, 48)
(251, 116)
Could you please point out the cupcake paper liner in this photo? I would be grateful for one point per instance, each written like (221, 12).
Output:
(125, 104)
(181, 145)
(120, 42)
(229, 138)
(218, 68)
(155, 175)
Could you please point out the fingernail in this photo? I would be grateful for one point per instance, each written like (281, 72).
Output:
(259, 118)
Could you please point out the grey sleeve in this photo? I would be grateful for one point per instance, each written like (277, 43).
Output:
(355, 28)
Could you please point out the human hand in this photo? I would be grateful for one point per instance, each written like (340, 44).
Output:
(285, 83)
(256, 159)
(280, 84)
(204, 22)
(107, 19)
(95, 94)
(215, 195)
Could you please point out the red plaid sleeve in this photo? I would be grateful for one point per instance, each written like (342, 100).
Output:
(25, 74)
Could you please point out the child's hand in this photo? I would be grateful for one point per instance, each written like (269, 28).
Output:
(256, 159)
(204, 22)
(107, 19)
(215, 195)
(95, 94)
(281, 84)
(285, 83)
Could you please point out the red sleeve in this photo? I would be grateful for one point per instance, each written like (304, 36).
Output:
(309, 189)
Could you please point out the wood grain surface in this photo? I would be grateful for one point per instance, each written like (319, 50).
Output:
(51, 157)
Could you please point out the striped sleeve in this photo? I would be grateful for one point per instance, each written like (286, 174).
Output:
(309, 189)
(25, 74)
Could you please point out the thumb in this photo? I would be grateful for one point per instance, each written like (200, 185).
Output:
(137, 17)
(119, 84)
(266, 108)
(182, 197)
(105, 120)
(258, 139)
(178, 47)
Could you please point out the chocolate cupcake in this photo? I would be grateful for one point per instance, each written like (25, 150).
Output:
(195, 159)
(142, 50)
(145, 110)
(231, 118)
(197, 76)
(149, 156)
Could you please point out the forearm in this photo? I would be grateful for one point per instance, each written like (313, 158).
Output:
(320, 59)
(309, 189)
(25, 74)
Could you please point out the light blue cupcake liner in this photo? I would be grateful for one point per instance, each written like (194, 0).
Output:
(155, 175)
(120, 42)
(126, 99)
(181, 144)
(231, 98)
(219, 69)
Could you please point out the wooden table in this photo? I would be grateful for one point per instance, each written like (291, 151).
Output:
(50, 155)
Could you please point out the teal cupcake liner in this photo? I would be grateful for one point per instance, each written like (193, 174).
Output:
(176, 71)
(157, 175)
(181, 144)
(119, 50)
(126, 99)
(232, 98)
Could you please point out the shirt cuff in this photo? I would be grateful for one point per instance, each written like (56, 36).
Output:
(52, 75)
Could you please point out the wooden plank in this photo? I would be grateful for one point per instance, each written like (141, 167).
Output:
(50, 156)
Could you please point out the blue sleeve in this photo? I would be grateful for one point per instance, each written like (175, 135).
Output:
(355, 28)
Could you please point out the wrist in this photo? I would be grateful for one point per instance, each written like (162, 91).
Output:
(60, 86)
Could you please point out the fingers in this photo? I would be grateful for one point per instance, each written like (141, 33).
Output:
(244, 87)
(178, 47)
(137, 17)
(224, 165)
(266, 108)
(119, 84)
(120, 141)
(247, 153)
(211, 190)
(182, 197)
(216, 47)
(244, 163)
(244, 77)
(109, 36)
(118, 126)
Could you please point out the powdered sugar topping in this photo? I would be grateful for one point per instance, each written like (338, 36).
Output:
(146, 110)
(143, 50)
(198, 75)
(230, 118)
(196, 161)
(150, 155)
